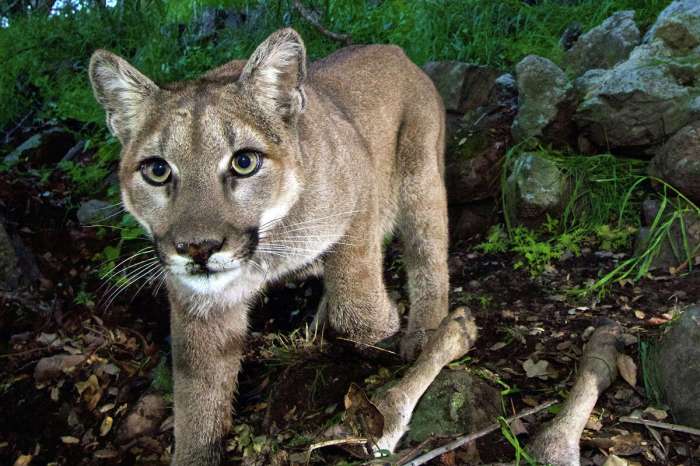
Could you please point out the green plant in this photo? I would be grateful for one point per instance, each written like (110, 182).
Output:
(162, 378)
(84, 298)
(496, 241)
(674, 211)
(603, 200)
(650, 372)
(520, 452)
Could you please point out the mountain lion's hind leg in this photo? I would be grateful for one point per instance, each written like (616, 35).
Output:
(356, 303)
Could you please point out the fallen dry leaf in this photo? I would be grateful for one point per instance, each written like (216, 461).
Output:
(614, 460)
(90, 390)
(70, 440)
(498, 346)
(541, 369)
(23, 460)
(657, 414)
(362, 414)
(627, 368)
(626, 444)
(106, 426)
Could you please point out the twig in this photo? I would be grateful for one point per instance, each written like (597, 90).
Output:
(328, 443)
(309, 16)
(661, 425)
(476, 435)
(367, 345)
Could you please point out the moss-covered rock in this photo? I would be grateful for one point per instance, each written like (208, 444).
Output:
(456, 403)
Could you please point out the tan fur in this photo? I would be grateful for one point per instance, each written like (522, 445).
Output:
(353, 150)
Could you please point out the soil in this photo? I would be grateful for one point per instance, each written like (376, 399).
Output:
(293, 384)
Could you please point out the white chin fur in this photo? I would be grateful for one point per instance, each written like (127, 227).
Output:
(208, 284)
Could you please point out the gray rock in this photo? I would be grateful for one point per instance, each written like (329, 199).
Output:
(604, 46)
(536, 187)
(640, 102)
(678, 362)
(462, 86)
(456, 402)
(95, 211)
(43, 148)
(678, 162)
(30, 144)
(678, 26)
(10, 272)
(542, 88)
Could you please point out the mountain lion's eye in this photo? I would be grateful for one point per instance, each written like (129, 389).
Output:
(246, 163)
(156, 171)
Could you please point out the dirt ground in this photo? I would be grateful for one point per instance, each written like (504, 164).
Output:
(292, 385)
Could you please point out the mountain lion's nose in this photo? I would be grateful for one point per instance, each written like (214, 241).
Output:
(199, 252)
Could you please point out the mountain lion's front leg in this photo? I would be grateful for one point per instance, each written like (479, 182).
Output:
(206, 359)
(356, 303)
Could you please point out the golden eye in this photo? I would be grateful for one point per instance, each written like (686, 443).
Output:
(156, 171)
(246, 163)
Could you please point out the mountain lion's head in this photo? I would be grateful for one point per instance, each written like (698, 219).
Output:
(206, 165)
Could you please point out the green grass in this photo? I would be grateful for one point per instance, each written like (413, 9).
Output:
(650, 372)
(45, 58)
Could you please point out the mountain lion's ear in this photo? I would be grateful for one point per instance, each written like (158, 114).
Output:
(275, 73)
(123, 92)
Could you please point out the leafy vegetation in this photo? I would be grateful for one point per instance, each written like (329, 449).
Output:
(602, 211)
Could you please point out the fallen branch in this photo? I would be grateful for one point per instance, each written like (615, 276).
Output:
(333, 442)
(451, 340)
(661, 425)
(476, 435)
(311, 18)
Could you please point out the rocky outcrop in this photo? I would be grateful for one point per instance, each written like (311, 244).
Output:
(476, 151)
(604, 46)
(678, 161)
(480, 106)
(542, 89)
(462, 86)
(678, 26)
(647, 98)
(678, 362)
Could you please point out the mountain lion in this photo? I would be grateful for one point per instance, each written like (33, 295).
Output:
(262, 169)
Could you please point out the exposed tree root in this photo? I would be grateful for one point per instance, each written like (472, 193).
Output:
(558, 443)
